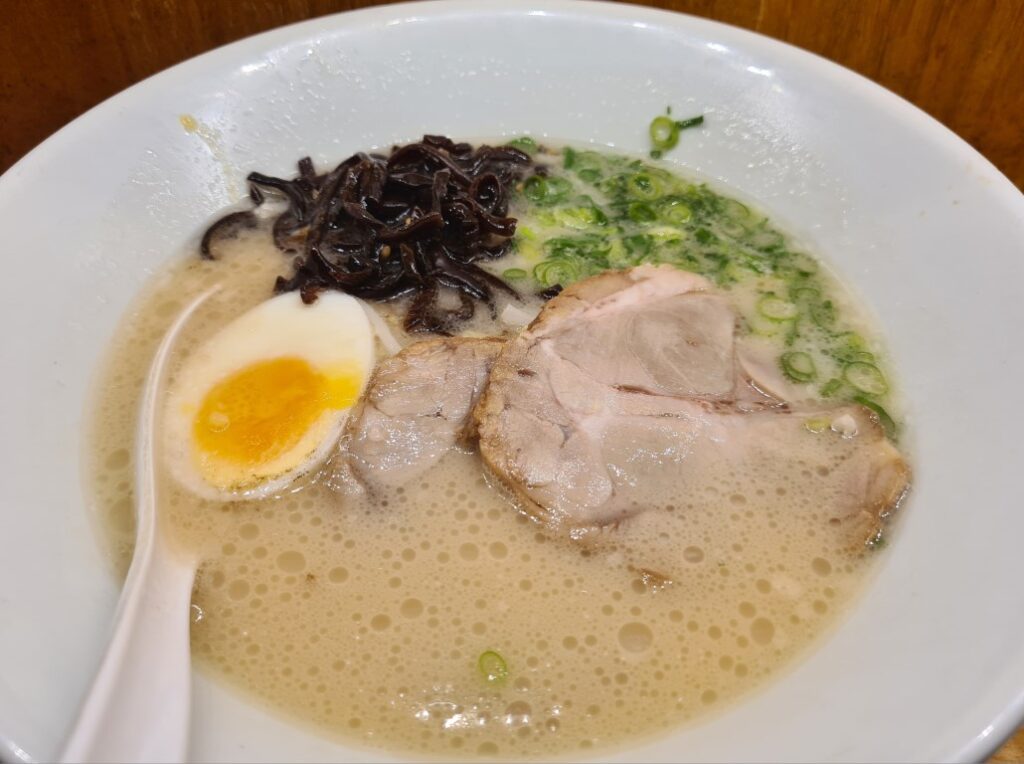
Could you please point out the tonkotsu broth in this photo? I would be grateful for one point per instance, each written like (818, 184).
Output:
(367, 618)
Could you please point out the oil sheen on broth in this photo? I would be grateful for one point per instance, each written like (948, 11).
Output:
(366, 618)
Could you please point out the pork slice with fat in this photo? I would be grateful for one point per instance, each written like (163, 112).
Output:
(626, 389)
(416, 408)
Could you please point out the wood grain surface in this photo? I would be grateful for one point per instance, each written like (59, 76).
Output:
(1012, 752)
(962, 61)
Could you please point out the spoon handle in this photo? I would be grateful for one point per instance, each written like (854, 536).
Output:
(138, 706)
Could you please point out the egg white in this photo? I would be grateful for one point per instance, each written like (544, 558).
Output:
(331, 332)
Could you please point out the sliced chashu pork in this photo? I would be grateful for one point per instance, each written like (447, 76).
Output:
(416, 408)
(626, 390)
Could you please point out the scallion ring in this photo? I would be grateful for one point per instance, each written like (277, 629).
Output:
(492, 666)
(664, 133)
(776, 309)
(798, 366)
(866, 377)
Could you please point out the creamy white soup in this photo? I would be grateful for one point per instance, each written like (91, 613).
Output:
(446, 615)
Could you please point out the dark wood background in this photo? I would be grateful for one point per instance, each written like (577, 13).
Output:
(962, 61)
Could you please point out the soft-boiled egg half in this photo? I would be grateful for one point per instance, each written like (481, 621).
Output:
(264, 400)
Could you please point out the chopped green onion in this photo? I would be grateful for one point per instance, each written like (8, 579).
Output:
(535, 188)
(866, 377)
(766, 238)
(737, 218)
(863, 356)
(546, 191)
(641, 185)
(777, 309)
(824, 314)
(524, 143)
(736, 210)
(852, 341)
(641, 213)
(525, 243)
(831, 387)
(664, 133)
(763, 327)
(492, 666)
(638, 244)
(818, 424)
(793, 332)
(806, 295)
(675, 212)
(546, 219)
(703, 235)
(587, 165)
(851, 347)
(732, 228)
(512, 274)
(751, 262)
(798, 366)
(807, 266)
(551, 272)
(619, 255)
(883, 416)
(580, 217)
(684, 124)
(590, 246)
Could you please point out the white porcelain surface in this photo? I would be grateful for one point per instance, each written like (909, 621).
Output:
(929, 666)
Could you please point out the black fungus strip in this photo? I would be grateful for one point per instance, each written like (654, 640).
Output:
(229, 225)
(412, 223)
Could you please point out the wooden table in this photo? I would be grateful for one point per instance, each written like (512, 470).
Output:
(960, 60)
(1013, 751)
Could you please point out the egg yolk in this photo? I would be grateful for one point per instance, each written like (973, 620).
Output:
(263, 410)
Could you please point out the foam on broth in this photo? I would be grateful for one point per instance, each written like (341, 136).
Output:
(366, 619)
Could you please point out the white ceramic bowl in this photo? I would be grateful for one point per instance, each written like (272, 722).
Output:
(929, 665)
